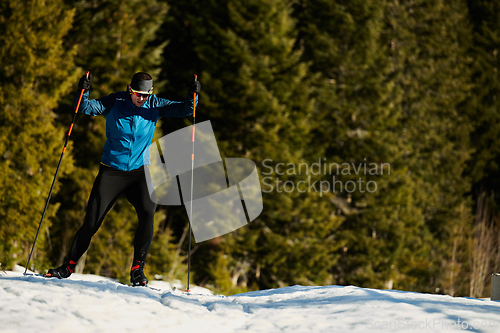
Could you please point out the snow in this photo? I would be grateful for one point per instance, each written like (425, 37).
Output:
(89, 303)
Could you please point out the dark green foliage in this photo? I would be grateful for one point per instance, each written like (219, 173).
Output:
(484, 101)
(257, 97)
(36, 70)
(398, 81)
(165, 258)
(483, 108)
(434, 78)
(397, 100)
(361, 128)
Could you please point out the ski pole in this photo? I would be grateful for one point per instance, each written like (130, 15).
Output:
(55, 176)
(192, 173)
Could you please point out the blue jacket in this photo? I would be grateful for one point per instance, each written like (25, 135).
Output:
(130, 129)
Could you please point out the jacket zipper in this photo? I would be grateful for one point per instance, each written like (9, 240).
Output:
(132, 142)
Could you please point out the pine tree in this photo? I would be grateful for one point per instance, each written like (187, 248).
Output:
(483, 110)
(360, 128)
(384, 104)
(434, 79)
(165, 256)
(484, 101)
(258, 95)
(37, 70)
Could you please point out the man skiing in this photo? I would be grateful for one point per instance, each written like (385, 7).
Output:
(131, 117)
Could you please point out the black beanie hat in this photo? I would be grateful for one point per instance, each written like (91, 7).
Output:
(142, 82)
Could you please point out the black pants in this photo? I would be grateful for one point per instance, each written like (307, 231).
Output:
(108, 185)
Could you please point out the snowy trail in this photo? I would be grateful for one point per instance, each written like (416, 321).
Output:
(86, 303)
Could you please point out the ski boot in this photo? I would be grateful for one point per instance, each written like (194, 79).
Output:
(63, 271)
(137, 277)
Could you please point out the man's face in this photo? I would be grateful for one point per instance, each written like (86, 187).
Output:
(138, 99)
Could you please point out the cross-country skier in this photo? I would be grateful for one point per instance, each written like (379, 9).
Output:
(131, 118)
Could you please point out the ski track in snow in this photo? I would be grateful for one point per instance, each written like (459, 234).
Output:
(87, 303)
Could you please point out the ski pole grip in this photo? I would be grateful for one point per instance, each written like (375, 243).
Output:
(78, 105)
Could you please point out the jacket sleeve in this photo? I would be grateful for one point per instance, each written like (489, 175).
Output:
(175, 109)
(95, 107)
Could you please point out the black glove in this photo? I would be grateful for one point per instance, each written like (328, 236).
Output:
(85, 83)
(195, 87)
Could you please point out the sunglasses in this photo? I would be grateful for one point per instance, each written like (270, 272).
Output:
(138, 94)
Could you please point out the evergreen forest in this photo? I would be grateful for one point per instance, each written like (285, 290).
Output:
(373, 125)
